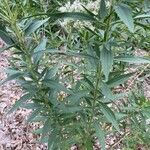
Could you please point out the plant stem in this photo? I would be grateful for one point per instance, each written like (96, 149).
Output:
(108, 21)
(98, 77)
(96, 87)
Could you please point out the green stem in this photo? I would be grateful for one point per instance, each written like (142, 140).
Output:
(96, 87)
(31, 67)
(98, 77)
(108, 21)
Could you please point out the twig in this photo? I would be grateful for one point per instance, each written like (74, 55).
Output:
(136, 77)
(120, 139)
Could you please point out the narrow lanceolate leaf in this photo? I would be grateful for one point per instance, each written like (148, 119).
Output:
(146, 111)
(146, 5)
(132, 59)
(42, 46)
(117, 80)
(108, 95)
(39, 118)
(51, 141)
(6, 38)
(35, 25)
(106, 91)
(44, 139)
(124, 12)
(145, 26)
(142, 16)
(102, 10)
(75, 98)
(73, 15)
(31, 106)
(88, 11)
(89, 143)
(108, 113)
(6, 48)
(33, 115)
(47, 127)
(92, 62)
(55, 85)
(10, 71)
(19, 102)
(69, 109)
(11, 77)
(100, 135)
(37, 131)
(106, 57)
(51, 72)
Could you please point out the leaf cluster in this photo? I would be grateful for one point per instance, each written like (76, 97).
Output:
(69, 77)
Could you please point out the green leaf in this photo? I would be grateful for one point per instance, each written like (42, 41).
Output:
(132, 59)
(100, 135)
(73, 15)
(51, 73)
(31, 106)
(92, 31)
(142, 16)
(146, 5)
(6, 38)
(75, 98)
(69, 109)
(6, 48)
(106, 91)
(34, 26)
(39, 118)
(92, 62)
(33, 115)
(69, 64)
(117, 97)
(102, 10)
(88, 11)
(50, 143)
(42, 46)
(19, 102)
(11, 77)
(108, 95)
(47, 127)
(88, 143)
(53, 140)
(117, 80)
(37, 131)
(120, 115)
(142, 25)
(56, 85)
(124, 12)
(10, 71)
(69, 53)
(106, 58)
(146, 112)
(108, 113)
(87, 80)
(28, 85)
(44, 140)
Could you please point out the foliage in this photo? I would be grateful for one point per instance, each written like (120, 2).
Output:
(69, 75)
